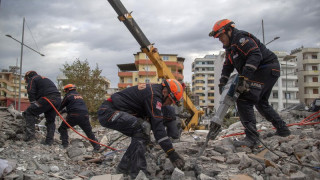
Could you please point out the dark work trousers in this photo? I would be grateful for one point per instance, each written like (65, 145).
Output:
(173, 128)
(35, 109)
(134, 158)
(268, 75)
(80, 119)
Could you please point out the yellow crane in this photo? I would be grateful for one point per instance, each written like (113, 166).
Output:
(152, 52)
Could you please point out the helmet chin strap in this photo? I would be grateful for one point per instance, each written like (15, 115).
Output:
(227, 46)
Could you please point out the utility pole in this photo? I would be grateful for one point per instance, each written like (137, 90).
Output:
(263, 32)
(19, 104)
(22, 44)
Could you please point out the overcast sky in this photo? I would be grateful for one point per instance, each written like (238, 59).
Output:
(65, 30)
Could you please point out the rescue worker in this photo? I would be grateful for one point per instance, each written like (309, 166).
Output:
(259, 70)
(77, 114)
(170, 121)
(38, 88)
(127, 111)
(315, 105)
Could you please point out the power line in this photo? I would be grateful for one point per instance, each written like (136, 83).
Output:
(32, 36)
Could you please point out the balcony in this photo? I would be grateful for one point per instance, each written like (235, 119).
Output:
(174, 64)
(306, 73)
(147, 73)
(311, 61)
(311, 84)
(310, 96)
(178, 76)
(124, 85)
(199, 91)
(125, 74)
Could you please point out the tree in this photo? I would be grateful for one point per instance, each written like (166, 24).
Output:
(89, 83)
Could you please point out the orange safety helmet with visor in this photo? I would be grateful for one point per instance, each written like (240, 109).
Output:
(220, 27)
(69, 87)
(175, 90)
(29, 74)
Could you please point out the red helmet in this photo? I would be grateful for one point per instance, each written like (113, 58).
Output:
(69, 87)
(221, 27)
(175, 89)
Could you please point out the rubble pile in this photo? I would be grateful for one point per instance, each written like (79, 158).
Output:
(294, 157)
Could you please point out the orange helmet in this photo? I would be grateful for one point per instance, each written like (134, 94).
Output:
(221, 27)
(175, 89)
(69, 87)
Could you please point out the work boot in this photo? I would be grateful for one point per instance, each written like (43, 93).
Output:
(283, 132)
(120, 170)
(47, 143)
(65, 145)
(29, 138)
(96, 149)
(250, 143)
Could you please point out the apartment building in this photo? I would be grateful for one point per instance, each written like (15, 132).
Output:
(284, 93)
(203, 81)
(9, 89)
(143, 70)
(308, 65)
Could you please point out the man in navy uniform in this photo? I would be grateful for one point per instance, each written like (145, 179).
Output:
(135, 111)
(77, 115)
(259, 70)
(38, 88)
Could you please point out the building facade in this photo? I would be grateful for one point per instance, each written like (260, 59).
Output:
(308, 65)
(203, 82)
(9, 89)
(143, 71)
(285, 92)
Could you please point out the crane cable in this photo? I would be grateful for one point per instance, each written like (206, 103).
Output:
(74, 129)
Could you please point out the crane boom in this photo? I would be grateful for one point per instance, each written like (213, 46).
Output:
(152, 52)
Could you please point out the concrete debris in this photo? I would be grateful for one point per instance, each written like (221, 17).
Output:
(294, 157)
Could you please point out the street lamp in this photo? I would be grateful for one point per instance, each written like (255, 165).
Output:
(22, 44)
(273, 40)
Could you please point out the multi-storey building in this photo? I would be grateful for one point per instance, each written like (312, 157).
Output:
(9, 89)
(284, 93)
(203, 82)
(218, 64)
(143, 70)
(308, 65)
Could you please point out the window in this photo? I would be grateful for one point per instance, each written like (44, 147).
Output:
(136, 79)
(147, 80)
(315, 68)
(314, 79)
(315, 91)
(287, 95)
(165, 58)
(314, 56)
(275, 95)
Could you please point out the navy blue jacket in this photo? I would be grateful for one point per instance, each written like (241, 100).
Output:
(74, 103)
(246, 54)
(145, 103)
(39, 86)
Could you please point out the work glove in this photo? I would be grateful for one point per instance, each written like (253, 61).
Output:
(243, 85)
(63, 111)
(221, 87)
(176, 159)
(223, 81)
